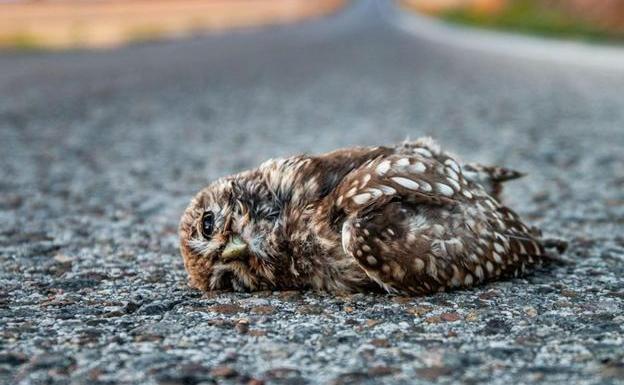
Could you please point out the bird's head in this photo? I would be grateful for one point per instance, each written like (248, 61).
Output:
(229, 235)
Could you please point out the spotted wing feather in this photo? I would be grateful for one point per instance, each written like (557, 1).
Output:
(415, 224)
(414, 178)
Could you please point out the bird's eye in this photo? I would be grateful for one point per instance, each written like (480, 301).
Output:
(207, 224)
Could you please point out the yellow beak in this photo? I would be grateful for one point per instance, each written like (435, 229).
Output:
(235, 249)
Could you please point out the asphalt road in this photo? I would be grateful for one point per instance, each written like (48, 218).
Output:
(101, 151)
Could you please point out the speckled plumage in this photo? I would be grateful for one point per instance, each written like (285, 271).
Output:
(407, 219)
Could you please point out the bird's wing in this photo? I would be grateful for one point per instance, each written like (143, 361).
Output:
(415, 224)
(491, 178)
(411, 178)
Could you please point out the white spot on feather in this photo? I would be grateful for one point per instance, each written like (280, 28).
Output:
(452, 174)
(387, 190)
(453, 183)
(452, 164)
(455, 246)
(403, 162)
(432, 268)
(417, 223)
(423, 152)
(444, 189)
(417, 167)
(522, 249)
(360, 199)
(479, 272)
(398, 272)
(407, 183)
(438, 248)
(346, 235)
(438, 230)
(419, 265)
(376, 193)
(424, 186)
(383, 167)
(456, 279)
(490, 204)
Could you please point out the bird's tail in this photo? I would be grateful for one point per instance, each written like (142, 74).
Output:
(555, 243)
(556, 256)
(490, 177)
(554, 248)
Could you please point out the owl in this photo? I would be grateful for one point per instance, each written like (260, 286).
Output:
(406, 219)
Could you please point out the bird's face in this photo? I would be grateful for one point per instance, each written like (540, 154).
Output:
(229, 235)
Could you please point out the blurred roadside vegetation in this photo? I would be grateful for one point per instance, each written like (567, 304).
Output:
(589, 20)
(62, 24)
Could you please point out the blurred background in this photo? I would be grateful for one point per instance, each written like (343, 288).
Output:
(113, 114)
(58, 24)
(579, 19)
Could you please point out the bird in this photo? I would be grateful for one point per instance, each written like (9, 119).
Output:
(405, 219)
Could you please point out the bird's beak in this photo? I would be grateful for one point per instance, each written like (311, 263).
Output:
(236, 248)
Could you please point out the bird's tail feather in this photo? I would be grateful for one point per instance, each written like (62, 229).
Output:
(555, 243)
(556, 256)
(490, 177)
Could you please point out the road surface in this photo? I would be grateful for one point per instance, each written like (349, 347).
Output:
(101, 151)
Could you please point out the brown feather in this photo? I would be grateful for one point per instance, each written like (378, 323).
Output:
(409, 219)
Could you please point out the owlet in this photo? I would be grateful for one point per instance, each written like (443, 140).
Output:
(408, 219)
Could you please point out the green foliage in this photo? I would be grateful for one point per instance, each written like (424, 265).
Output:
(531, 16)
(21, 41)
